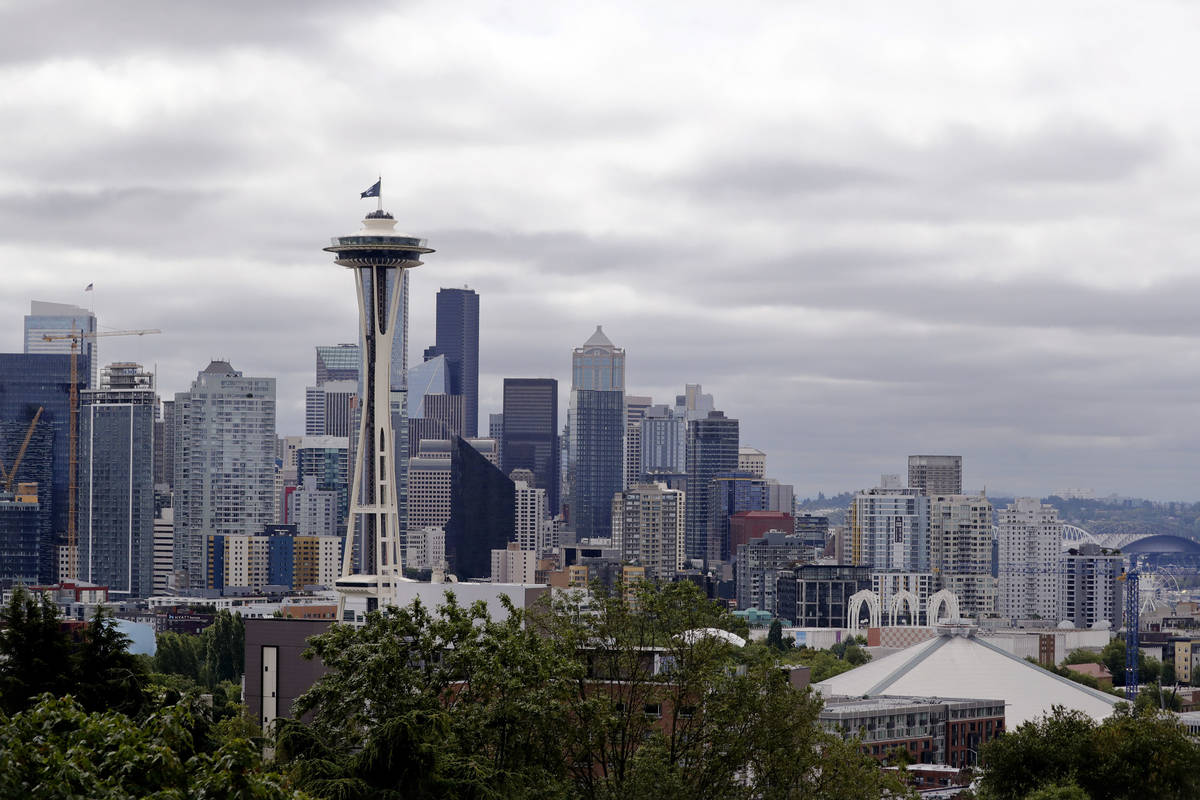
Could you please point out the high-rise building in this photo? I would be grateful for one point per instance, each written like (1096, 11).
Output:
(818, 595)
(326, 460)
(482, 510)
(529, 433)
(531, 514)
(759, 562)
(429, 377)
(635, 411)
(888, 585)
(1089, 592)
(429, 485)
(712, 448)
(55, 319)
(30, 383)
(1030, 542)
(513, 565)
(960, 546)
(889, 529)
(752, 460)
(164, 551)
(224, 461)
(814, 528)
(663, 440)
(747, 525)
(441, 418)
(380, 259)
(693, 403)
(458, 341)
(648, 525)
(425, 548)
(164, 447)
(340, 362)
(313, 510)
(115, 533)
(329, 408)
(935, 474)
(731, 492)
(596, 419)
(496, 426)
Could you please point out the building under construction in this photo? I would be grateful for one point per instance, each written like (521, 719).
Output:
(29, 382)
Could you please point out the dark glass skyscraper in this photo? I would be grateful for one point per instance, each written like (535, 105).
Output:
(712, 448)
(458, 341)
(482, 511)
(596, 425)
(116, 482)
(529, 433)
(30, 381)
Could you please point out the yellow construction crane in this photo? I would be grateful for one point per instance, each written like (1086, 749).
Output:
(75, 337)
(8, 477)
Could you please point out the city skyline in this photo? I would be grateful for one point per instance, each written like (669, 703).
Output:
(976, 248)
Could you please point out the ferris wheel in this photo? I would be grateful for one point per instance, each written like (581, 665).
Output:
(1157, 588)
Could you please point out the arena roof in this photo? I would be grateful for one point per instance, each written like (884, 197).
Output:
(951, 665)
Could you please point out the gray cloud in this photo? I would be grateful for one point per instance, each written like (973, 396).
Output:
(863, 252)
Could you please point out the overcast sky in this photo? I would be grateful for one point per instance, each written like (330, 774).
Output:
(869, 229)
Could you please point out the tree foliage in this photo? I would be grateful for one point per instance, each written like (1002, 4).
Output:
(217, 654)
(38, 656)
(56, 749)
(595, 695)
(1129, 755)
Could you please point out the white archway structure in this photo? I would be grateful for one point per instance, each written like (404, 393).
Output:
(905, 598)
(854, 610)
(937, 601)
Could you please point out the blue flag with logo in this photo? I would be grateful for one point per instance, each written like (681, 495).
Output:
(373, 191)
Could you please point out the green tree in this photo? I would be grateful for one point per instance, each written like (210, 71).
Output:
(224, 648)
(1084, 656)
(109, 677)
(179, 654)
(35, 652)
(55, 749)
(1167, 674)
(775, 636)
(1113, 658)
(1128, 756)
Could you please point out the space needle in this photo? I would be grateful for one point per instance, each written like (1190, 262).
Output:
(378, 256)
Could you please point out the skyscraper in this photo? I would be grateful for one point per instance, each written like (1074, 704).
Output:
(224, 461)
(530, 515)
(732, 492)
(458, 341)
(27, 383)
(648, 528)
(889, 529)
(59, 318)
(339, 362)
(663, 440)
(1030, 543)
(529, 433)
(380, 259)
(935, 475)
(960, 544)
(1089, 591)
(482, 510)
(635, 409)
(329, 408)
(596, 418)
(116, 481)
(712, 448)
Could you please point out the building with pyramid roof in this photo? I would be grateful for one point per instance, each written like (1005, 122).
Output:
(959, 663)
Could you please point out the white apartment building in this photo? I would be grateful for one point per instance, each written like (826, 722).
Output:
(649, 524)
(514, 565)
(960, 544)
(889, 528)
(752, 460)
(425, 548)
(531, 515)
(1030, 543)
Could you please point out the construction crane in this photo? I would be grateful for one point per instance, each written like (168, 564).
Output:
(8, 477)
(75, 337)
(1132, 622)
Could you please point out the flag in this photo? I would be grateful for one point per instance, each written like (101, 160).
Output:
(373, 191)
(89, 287)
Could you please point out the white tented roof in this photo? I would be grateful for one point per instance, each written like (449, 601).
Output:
(966, 666)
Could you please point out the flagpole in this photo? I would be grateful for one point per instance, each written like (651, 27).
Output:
(380, 195)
